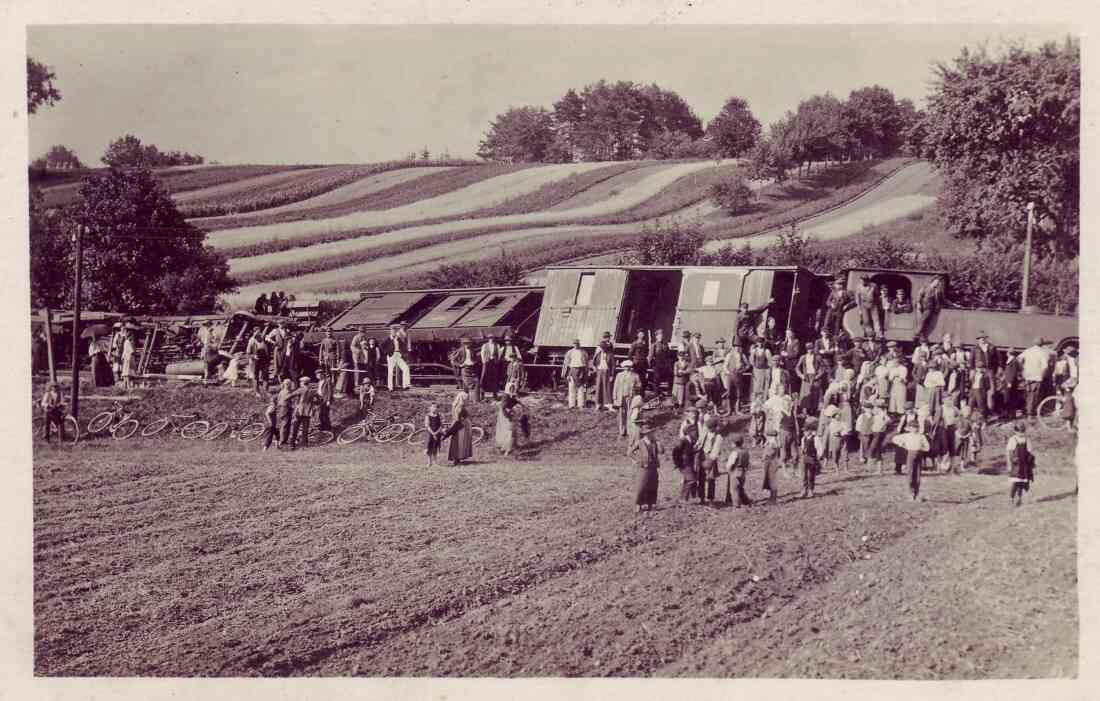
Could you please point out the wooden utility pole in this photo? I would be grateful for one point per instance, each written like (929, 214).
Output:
(75, 409)
(49, 343)
(1027, 254)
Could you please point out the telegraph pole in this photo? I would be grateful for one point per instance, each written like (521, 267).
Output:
(76, 323)
(1027, 254)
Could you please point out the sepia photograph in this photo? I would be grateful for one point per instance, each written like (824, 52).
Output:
(696, 352)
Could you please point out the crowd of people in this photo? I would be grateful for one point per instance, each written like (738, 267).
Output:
(277, 304)
(825, 402)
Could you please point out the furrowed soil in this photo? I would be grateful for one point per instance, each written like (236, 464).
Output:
(172, 557)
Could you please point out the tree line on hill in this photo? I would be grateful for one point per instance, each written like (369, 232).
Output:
(125, 152)
(623, 121)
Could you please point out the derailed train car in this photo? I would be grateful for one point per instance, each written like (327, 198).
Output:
(584, 302)
(436, 320)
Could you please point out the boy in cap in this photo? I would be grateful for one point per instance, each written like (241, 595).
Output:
(708, 449)
(681, 376)
(683, 453)
(808, 452)
(1020, 461)
(915, 446)
(52, 411)
(307, 403)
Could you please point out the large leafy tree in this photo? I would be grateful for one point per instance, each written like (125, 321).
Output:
(50, 248)
(140, 256)
(1005, 130)
(734, 130)
(128, 152)
(40, 88)
(874, 121)
(520, 135)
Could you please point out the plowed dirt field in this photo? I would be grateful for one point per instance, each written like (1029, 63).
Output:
(177, 558)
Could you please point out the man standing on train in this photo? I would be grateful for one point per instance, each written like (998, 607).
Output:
(839, 302)
(867, 299)
(747, 322)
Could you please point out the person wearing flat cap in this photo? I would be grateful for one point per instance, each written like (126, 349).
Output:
(708, 448)
(661, 361)
(681, 375)
(646, 452)
(627, 386)
(639, 356)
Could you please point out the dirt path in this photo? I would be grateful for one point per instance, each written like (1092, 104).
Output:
(901, 194)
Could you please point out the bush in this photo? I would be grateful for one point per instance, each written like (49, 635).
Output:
(669, 243)
(496, 272)
(734, 196)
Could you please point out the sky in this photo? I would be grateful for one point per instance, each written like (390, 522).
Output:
(351, 94)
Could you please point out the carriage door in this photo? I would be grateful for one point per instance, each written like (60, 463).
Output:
(802, 307)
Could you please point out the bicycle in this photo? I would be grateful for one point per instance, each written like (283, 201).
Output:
(381, 430)
(1049, 412)
(120, 423)
(250, 425)
(69, 426)
(194, 428)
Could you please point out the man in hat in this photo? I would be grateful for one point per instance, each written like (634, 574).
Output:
(627, 385)
(1065, 369)
(867, 300)
(1037, 362)
(326, 353)
(748, 319)
(708, 449)
(681, 376)
(260, 356)
(900, 304)
(603, 363)
(465, 360)
(397, 349)
(839, 302)
(987, 357)
(276, 340)
(732, 369)
(491, 352)
(358, 362)
(696, 353)
(760, 361)
(574, 370)
(304, 408)
(813, 378)
(660, 362)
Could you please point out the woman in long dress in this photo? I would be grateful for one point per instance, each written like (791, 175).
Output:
(646, 451)
(101, 367)
(462, 442)
(899, 381)
(509, 410)
(128, 357)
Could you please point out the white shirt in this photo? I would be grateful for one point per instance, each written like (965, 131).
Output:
(1034, 362)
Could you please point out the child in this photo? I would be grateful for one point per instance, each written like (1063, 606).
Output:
(915, 446)
(1020, 461)
(51, 411)
(737, 467)
(950, 419)
(366, 395)
(810, 466)
(963, 433)
(772, 464)
(707, 450)
(863, 428)
(433, 422)
(977, 434)
(758, 421)
(880, 420)
(271, 413)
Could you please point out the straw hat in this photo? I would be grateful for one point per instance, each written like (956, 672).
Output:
(627, 364)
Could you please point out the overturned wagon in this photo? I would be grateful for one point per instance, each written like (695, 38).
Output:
(584, 302)
(437, 319)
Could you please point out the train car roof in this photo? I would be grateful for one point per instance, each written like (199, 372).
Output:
(898, 271)
(452, 290)
(674, 267)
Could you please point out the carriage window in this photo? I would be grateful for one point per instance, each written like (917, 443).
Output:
(710, 292)
(584, 289)
(891, 283)
(494, 302)
(459, 303)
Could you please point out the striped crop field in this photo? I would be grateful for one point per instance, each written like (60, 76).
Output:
(595, 227)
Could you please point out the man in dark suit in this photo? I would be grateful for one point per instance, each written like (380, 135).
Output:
(987, 356)
(490, 366)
